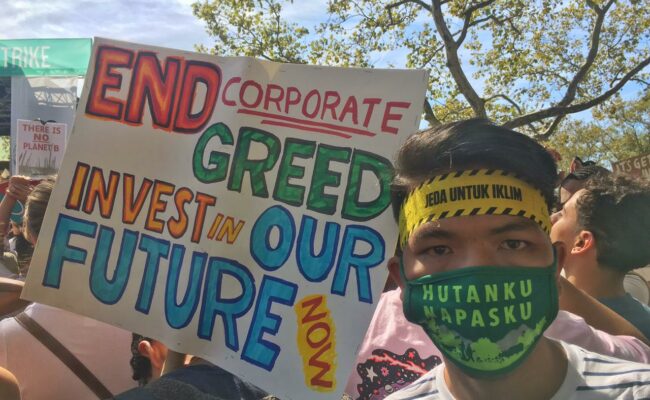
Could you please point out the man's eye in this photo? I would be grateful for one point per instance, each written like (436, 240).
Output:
(513, 244)
(439, 250)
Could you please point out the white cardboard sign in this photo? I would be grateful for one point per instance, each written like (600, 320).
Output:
(39, 147)
(233, 208)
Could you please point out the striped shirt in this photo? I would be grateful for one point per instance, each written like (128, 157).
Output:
(590, 376)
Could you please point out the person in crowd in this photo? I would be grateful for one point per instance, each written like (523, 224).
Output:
(395, 352)
(56, 354)
(606, 230)
(200, 380)
(580, 173)
(9, 389)
(15, 259)
(147, 359)
(478, 272)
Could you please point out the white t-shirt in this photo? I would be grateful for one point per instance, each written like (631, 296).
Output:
(590, 376)
(105, 350)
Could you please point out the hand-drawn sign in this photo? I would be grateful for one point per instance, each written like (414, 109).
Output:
(233, 208)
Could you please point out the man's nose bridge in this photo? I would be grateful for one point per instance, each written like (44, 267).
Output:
(555, 217)
(480, 253)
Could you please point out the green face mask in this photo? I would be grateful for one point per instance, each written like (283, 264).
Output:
(486, 320)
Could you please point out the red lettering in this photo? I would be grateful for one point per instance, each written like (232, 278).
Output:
(225, 101)
(330, 106)
(392, 117)
(104, 78)
(313, 304)
(291, 101)
(151, 84)
(197, 72)
(311, 94)
(242, 94)
(350, 107)
(323, 365)
(318, 325)
(269, 98)
(371, 106)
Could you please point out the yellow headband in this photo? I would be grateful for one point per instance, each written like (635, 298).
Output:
(472, 192)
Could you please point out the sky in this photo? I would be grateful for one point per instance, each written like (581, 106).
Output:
(167, 23)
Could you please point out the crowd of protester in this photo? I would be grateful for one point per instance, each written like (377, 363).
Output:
(589, 251)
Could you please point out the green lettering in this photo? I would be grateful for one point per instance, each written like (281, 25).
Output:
(444, 315)
(491, 293)
(428, 312)
(461, 315)
(256, 168)
(526, 288)
(443, 296)
(472, 294)
(427, 293)
(284, 191)
(509, 290)
(217, 161)
(353, 208)
(323, 177)
(477, 319)
(509, 314)
(494, 317)
(457, 292)
(526, 311)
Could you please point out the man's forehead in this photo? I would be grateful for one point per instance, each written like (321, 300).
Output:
(483, 224)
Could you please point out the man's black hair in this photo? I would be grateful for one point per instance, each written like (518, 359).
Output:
(616, 210)
(472, 144)
(140, 364)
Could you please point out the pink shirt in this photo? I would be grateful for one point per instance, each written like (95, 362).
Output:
(396, 352)
(104, 349)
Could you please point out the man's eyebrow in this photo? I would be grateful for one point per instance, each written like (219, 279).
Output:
(431, 231)
(518, 226)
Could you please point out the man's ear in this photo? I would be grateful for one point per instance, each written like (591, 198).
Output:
(154, 351)
(393, 271)
(584, 241)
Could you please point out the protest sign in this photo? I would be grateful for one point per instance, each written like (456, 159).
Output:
(233, 208)
(39, 147)
(638, 166)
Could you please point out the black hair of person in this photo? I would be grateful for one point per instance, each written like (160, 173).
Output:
(472, 144)
(616, 210)
(140, 364)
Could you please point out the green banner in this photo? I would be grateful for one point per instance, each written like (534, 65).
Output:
(44, 57)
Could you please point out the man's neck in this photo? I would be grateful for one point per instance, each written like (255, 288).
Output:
(538, 377)
(599, 282)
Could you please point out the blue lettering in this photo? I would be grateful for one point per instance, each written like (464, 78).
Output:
(228, 308)
(360, 262)
(109, 291)
(264, 254)
(316, 267)
(156, 249)
(60, 249)
(257, 350)
(180, 315)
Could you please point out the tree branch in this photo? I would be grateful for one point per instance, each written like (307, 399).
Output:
(429, 115)
(555, 111)
(570, 94)
(422, 4)
(454, 64)
(550, 130)
(506, 98)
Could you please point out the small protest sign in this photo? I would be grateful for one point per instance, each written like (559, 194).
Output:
(39, 147)
(638, 166)
(235, 209)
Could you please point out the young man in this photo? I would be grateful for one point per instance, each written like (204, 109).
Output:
(606, 230)
(479, 273)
